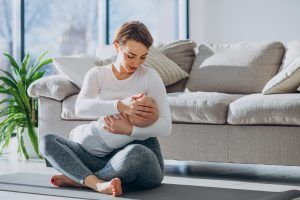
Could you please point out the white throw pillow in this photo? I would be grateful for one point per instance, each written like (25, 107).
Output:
(75, 67)
(298, 89)
(285, 81)
(292, 52)
(55, 87)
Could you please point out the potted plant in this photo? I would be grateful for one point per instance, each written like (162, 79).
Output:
(20, 110)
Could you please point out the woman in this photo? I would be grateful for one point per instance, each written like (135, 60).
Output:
(128, 154)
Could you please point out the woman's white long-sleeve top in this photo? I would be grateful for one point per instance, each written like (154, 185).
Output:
(101, 91)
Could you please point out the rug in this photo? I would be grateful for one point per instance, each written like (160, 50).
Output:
(40, 184)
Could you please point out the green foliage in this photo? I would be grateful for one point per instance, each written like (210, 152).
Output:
(18, 109)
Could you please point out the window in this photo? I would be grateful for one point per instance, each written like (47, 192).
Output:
(61, 28)
(162, 17)
(79, 26)
(6, 32)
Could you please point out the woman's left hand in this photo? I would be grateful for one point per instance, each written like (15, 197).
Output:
(118, 125)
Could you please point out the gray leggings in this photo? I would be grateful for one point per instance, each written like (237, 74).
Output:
(139, 164)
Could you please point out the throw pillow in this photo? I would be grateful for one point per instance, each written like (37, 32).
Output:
(168, 70)
(285, 81)
(241, 68)
(182, 52)
(292, 52)
(55, 87)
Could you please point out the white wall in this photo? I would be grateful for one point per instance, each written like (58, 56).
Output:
(224, 21)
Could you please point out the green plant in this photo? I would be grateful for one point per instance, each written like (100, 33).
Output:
(19, 110)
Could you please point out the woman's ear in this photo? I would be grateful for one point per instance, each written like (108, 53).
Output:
(117, 46)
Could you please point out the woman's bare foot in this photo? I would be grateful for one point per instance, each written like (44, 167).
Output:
(64, 181)
(112, 187)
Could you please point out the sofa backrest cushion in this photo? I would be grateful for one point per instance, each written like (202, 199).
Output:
(235, 68)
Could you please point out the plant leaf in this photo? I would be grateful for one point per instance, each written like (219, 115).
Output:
(13, 63)
(39, 66)
(9, 75)
(24, 151)
(8, 82)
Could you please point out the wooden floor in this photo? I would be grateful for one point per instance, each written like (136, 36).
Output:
(236, 176)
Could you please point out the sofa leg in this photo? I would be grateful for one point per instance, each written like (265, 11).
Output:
(47, 163)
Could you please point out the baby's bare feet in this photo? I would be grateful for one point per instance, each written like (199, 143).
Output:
(64, 181)
(112, 187)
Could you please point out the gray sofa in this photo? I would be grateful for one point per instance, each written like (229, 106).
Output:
(229, 109)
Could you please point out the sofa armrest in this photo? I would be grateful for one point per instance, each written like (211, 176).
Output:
(55, 87)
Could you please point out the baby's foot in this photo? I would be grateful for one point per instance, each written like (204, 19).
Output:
(112, 187)
(64, 181)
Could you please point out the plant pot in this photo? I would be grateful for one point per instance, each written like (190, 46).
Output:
(29, 148)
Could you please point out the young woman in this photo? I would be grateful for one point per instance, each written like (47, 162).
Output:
(121, 148)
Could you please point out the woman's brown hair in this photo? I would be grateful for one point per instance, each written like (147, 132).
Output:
(133, 30)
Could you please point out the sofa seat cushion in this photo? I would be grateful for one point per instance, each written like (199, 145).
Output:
(193, 107)
(280, 109)
(200, 107)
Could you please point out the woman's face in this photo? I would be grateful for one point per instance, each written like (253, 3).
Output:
(131, 55)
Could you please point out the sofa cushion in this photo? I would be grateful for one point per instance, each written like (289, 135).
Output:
(281, 109)
(168, 70)
(55, 87)
(182, 52)
(200, 107)
(286, 81)
(292, 52)
(193, 107)
(235, 68)
(68, 109)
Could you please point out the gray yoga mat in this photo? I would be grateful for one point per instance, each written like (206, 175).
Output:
(40, 184)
